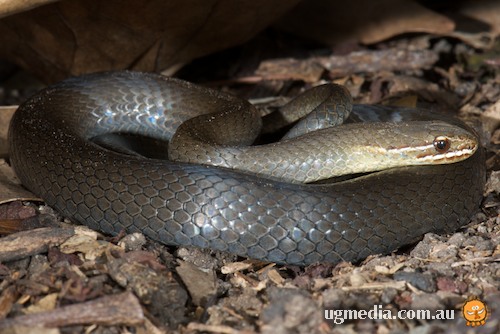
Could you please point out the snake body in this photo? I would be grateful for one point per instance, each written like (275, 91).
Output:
(181, 203)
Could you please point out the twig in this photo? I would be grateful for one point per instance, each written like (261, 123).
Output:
(26, 243)
(122, 309)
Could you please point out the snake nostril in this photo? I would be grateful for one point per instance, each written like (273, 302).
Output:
(441, 144)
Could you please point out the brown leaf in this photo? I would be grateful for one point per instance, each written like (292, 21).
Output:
(74, 37)
(486, 11)
(9, 7)
(10, 187)
(333, 22)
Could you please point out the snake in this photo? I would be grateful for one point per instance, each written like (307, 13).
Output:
(286, 216)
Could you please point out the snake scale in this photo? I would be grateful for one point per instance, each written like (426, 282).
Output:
(190, 204)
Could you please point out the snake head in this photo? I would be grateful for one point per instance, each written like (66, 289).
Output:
(439, 143)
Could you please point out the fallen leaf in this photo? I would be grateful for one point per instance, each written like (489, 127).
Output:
(365, 21)
(67, 38)
(9, 7)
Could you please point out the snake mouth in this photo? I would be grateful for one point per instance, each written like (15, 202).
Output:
(447, 157)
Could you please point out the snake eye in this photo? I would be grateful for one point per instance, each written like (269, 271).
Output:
(441, 144)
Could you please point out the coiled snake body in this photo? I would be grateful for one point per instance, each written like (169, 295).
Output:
(181, 203)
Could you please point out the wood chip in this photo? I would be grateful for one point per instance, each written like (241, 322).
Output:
(398, 285)
(367, 61)
(201, 284)
(22, 244)
(233, 267)
(123, 309)
(275, 277)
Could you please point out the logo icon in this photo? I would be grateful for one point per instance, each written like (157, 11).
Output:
(475, 311)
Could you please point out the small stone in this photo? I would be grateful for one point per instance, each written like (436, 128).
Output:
(457, 239)
(485, 245)
(290, 311)
(424, 247)
(424, 282)
(388, 295)
(445, 253)
(446, 284)
(472, 241)
(332, 298)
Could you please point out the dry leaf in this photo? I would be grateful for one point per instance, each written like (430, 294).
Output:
(333, 22)
(73, 37)
(9, 7)
(487, 11)
(6, 113)
(491, 117)
(45, 303)
(11, 188)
